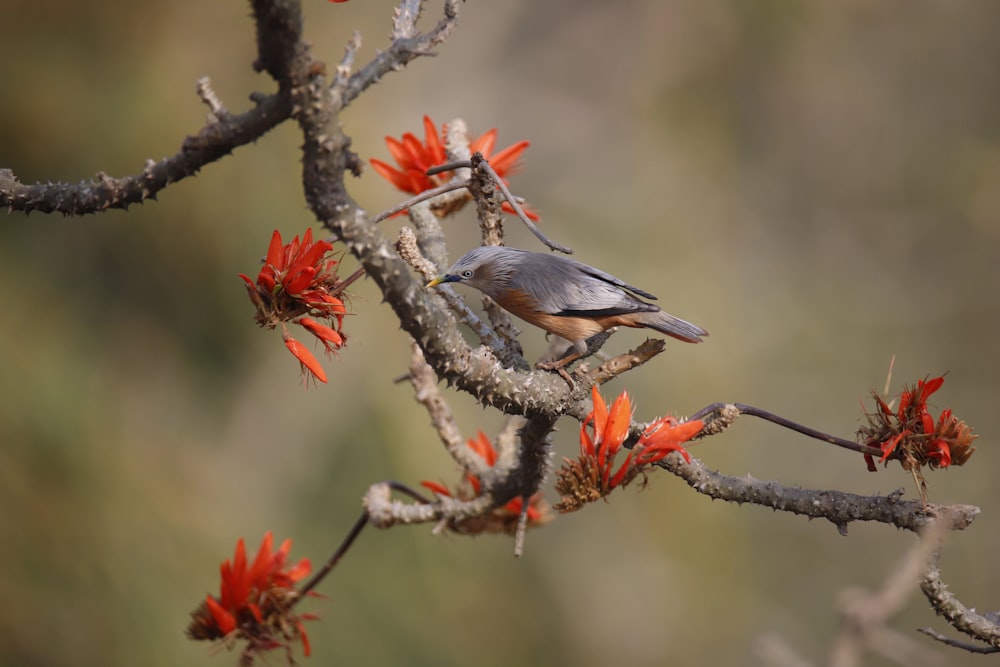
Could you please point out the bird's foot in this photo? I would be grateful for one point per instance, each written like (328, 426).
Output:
(560, 368)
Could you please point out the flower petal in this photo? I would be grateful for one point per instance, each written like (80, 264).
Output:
(224, 621)
(939, 453)
(275, 252)
(505, 162)
(532, 215)
(300, 280)
(890, 445)
(667, 435)
(436, 487)
(394, 176)
(620, 475)
(418, 181)
(298, 571)
(618, 424)
(260, 571)
(397, 150)
(433, 142)
(482, 446)
(305, 357)
(484, 144)
(599, 413)
(587, 448)
(306, 649)
(313, 253)
(929, 387)
(329, 337)
(417, 157)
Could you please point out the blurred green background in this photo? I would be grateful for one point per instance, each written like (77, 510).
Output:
(814, 183)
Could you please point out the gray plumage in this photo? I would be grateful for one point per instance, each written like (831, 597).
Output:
(562, 296)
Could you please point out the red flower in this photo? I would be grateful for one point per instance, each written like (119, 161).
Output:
(255, 602)
(297, 280)
(415, 158)
(911, 435)
(663, 436)
(910, 432)
(602, 435)
(501, 519)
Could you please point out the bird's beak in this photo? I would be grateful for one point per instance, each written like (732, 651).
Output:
(446, 278)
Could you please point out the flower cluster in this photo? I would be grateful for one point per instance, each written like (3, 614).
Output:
(297, 283)
(602, 435)
(911, 435)
(255, 602)
(415, 158)
(500, 519)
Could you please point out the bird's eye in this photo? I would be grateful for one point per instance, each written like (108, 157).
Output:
(467, 273)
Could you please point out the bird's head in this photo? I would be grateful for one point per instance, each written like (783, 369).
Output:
(486, 268)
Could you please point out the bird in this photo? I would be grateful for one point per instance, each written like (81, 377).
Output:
(562, 296)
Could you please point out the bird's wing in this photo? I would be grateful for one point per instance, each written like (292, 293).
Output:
(571, 288)
(614, 280)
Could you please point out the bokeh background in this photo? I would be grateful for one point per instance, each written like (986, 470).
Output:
(815, 183)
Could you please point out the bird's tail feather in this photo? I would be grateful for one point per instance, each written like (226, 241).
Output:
(673, 326)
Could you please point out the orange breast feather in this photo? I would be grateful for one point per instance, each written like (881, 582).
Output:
(523, 305)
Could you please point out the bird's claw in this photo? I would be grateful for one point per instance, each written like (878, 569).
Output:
(560, 368)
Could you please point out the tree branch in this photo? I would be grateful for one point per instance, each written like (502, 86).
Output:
(407, 44)
(838, 507)
(984, 628)
(214, 141)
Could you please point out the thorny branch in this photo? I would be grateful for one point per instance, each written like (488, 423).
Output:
(214, 141)
(493, 374)
(838, 507)
(982, 627)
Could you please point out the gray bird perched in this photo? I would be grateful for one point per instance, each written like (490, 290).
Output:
(562, 296)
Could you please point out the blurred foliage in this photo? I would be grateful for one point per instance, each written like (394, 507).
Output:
(813, 183)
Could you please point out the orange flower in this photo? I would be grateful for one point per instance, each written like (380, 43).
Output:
(415, 158)
(255, 602)
(602, 435)
(911, 436)
(501, 519)
(663, 436)
(297, 280)
(910, 433)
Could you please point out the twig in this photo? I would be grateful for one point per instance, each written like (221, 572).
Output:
(423, 196)
(965, 646)
(348, 541)
(343, 73)
(507, 441)
(332, 561)
(479, 162)
(383, 512)
(623, 363)
(741, 409)
(208, 96)
(407, 44)
(214, 141)
(408, 250)
(430, 235)
(426, 392)
(978, 626)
